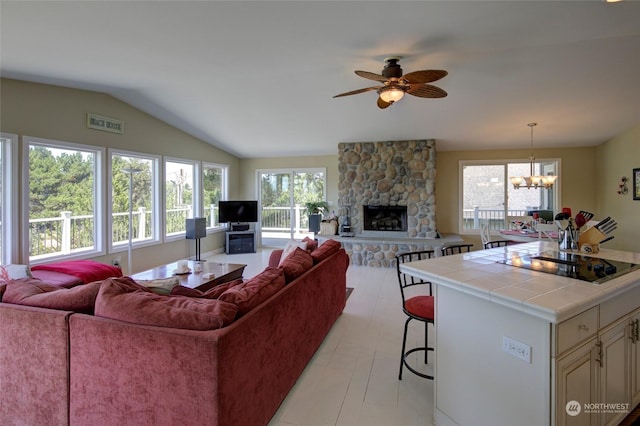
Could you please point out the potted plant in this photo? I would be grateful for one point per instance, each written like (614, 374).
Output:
(315, 210)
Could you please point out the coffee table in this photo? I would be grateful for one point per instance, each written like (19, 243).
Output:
(223, 272)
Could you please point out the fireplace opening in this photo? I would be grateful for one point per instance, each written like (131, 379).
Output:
(385, 218)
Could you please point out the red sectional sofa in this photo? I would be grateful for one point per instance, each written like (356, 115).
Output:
(70, 368)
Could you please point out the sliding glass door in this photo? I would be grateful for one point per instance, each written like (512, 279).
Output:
(283, 196)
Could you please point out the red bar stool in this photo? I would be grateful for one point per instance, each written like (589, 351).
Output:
(416, 307)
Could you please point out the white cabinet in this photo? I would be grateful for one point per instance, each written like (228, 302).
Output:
(634, 338)
(604, 368)
(577, 380)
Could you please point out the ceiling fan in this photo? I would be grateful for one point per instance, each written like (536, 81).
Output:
(395, 85)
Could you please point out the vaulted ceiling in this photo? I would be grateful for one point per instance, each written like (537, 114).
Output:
(257, 78)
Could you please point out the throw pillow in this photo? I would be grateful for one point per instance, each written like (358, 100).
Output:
(160, 286)
(296, 264)
(290, 247)
(3, 287)
(254, 291)
(87, 270)
(125, 300)
(311, 243)
(33, 292)
(325, 250)
(14, 272)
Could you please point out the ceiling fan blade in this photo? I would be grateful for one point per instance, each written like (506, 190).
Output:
(371, 76)
(426, 91)
(355, 92)
(382, 104)
(424, 76)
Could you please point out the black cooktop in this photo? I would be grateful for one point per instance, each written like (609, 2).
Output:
(572, 265)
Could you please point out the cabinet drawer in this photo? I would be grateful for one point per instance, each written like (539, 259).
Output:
(576, 329)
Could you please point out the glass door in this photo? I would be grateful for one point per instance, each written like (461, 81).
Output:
(283, 198)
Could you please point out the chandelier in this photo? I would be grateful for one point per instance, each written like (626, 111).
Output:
(532, 181)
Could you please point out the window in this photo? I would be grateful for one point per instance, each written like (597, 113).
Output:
(142, 170)
(488, 197)
(180, 195)
(65, 199)
(214, 189)
(8, 197)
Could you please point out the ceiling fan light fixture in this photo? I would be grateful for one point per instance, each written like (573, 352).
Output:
(391, 94)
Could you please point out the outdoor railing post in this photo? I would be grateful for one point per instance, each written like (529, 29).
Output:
(142, 223)
(297, 219)
(66, 232)
(476, 217)
(212, 221)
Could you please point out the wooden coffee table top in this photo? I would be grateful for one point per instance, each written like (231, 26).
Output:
(223, 272)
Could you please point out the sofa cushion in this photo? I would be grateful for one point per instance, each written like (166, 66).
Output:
(212, 293)
(125, 300)
(325, 250)
(34, 292)
(296, 264)
(254, 291)
(86, 270)
(3, 287)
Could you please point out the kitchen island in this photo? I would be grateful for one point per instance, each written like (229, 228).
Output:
(518, 346)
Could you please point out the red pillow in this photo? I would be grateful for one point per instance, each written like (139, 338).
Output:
(325, 250)
(125, 300)
(311, 243)
(33, 292)
(87, 270)
(296, 264)
(254, 291)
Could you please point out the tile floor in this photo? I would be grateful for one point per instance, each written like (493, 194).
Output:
(353, 378)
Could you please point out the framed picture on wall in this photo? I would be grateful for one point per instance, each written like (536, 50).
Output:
(636, 184)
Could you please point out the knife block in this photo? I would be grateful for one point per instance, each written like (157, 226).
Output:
(589, 241)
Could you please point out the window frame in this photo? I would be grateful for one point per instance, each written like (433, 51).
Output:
(10, 201)
(196, 196)
(225, 191)
(504, 163)
(157, 210)
(99, 228)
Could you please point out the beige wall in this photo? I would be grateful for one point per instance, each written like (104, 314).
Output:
(58, 113)
(616, 158)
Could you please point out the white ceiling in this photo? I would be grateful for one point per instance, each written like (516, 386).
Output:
(257, 78)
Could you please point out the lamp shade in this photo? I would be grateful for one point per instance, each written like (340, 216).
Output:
(391, 94)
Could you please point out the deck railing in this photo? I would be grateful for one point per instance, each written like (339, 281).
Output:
(68, 233)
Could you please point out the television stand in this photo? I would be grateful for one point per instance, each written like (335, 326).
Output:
(240, 242)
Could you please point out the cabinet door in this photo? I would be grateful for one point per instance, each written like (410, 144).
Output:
(614, 370)
(635, 358)
(577, 384)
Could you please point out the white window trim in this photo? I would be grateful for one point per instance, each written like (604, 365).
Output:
(504, 162)
(10, 201)
(98, 207)
(197, 194)
(225, 190)
(158, 217)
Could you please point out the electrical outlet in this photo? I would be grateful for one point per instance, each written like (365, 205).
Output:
(116, 261)
(518, 349)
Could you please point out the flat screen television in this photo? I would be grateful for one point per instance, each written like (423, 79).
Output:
(237, 211)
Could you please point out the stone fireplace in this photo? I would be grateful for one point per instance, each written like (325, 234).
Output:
(384, 220)
(389, 174)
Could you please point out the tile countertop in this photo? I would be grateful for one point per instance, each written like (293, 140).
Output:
(551, 297)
